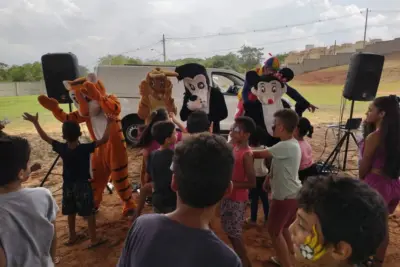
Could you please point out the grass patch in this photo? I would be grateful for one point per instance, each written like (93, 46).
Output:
(326, 97)
(12, 107)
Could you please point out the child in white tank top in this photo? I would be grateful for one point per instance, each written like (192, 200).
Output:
(258, 192)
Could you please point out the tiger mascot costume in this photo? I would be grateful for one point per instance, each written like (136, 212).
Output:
(111, 159)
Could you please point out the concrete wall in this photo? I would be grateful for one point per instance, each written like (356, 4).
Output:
(21, 88)
(328, 61)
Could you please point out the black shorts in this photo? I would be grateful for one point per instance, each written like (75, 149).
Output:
(77, 198)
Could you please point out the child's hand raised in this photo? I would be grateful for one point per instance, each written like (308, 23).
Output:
(28, 117)
(172, 116)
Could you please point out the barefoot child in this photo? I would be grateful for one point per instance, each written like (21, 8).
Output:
(202, 176)
(23, 211)
(340, 222)
(77, 191)
(233, 207)
(285, 184)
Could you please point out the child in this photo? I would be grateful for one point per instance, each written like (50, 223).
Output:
(203, 167)
(234, 206)
(307, 166)
(285, 184)
(159, 172)
(77, 191)
(198, 122)
(261, 172)
(379, 166)
(340, 222)
(147, 142)
(23, 211)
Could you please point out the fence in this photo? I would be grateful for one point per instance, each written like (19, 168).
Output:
(21, 88)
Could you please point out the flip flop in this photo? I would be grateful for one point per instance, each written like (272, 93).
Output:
(78, 238)
(275, 261)
(98, 243)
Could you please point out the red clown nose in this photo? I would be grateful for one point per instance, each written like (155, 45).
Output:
(270, 101)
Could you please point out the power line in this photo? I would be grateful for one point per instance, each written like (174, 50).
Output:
(385, 10)
(283, 40)
(269, 43)
(140, 48)
(263, 30)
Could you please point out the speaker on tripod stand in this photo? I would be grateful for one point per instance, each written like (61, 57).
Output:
(363, 77)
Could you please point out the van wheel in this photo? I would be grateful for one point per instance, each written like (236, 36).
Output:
(132, 127)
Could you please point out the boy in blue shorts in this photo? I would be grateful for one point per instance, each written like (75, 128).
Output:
(77, 190)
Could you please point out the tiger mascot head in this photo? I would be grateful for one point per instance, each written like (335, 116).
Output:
(86, 93)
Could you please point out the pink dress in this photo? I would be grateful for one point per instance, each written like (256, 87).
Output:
(387, 187)
(239, 194)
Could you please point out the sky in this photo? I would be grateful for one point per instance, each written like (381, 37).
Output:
(95, 28)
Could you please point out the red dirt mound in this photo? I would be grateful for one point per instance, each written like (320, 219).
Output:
(337, 75)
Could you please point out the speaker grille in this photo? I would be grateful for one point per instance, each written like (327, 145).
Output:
(363, 77)
(57, 68)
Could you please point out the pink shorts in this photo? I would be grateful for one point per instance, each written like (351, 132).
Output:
(281, 215)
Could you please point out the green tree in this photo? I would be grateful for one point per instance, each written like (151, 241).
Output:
(250, 57)
(118, 60)
(83, 71)
(3, 72)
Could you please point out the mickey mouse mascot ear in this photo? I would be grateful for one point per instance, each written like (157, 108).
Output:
(200, 95)
(269, 90)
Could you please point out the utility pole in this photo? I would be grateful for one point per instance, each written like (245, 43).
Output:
(366, 26)
(334, 48)
(164, 51)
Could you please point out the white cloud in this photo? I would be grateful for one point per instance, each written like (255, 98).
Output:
(93, 28)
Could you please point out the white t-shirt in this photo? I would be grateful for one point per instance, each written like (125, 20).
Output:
(286, 157)
(259, 164)
(26, 229)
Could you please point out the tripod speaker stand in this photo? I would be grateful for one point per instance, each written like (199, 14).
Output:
(351, 125)
(56, 160)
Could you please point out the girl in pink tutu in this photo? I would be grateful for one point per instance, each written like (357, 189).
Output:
(379, 166)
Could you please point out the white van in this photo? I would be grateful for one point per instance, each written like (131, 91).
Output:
(124, 80)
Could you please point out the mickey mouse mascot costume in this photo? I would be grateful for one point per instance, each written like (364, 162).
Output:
(200, 95)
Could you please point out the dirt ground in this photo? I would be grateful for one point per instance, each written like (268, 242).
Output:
(112, 226)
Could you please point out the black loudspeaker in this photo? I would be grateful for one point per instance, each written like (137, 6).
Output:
(59, 67)
(363, 77)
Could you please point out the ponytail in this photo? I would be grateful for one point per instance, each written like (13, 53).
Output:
(146, 137)
(305, 128)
